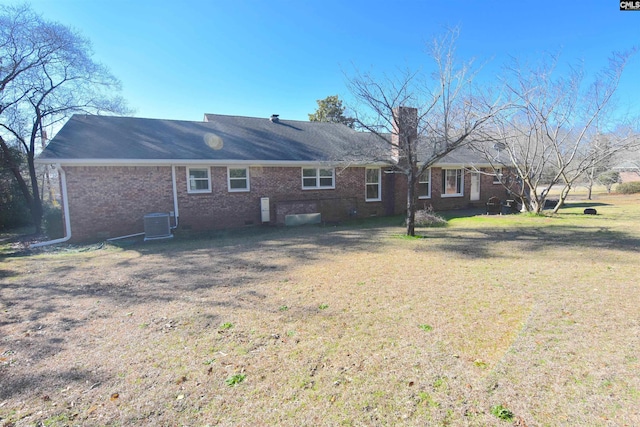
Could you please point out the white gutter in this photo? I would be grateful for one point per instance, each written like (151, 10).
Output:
(65, 205)
(199, 162)
(67, 219)
(247, 163)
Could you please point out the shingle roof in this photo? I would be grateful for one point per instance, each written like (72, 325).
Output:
(464, 155)
(219, 138)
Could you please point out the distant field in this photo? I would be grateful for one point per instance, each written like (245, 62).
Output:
(490, 321)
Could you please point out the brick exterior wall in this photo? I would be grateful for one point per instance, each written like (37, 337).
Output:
(487, 190)
(110, 201)
(627, 176)
(107, 202)
(283, 187)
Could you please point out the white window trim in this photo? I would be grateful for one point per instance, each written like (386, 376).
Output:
(238, 190)
(367, 184)
(208, 190)
(428, 196)
(318, 186)
(461, 193)
(497, 176)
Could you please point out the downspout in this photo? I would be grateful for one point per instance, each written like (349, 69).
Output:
(175, 197)
(65, 205)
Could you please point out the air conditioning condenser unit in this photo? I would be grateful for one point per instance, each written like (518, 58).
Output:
(157, 226)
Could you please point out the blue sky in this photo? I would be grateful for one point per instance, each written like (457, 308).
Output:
(181, 59)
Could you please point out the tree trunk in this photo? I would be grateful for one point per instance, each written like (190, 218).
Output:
(411, 204)
(563, 196)
(535, 202)
(537, 206)
(591, 182)
(36, 201)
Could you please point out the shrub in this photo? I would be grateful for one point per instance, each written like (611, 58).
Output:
(628, 187)
(428, 218)
(14, 212)
(52, 222)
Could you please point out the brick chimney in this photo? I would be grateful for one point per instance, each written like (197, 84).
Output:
(405, 129)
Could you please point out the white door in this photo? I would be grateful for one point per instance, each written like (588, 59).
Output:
(475, 186)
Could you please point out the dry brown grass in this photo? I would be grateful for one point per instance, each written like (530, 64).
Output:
(333, 326)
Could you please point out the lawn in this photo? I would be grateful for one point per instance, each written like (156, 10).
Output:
(490, 321)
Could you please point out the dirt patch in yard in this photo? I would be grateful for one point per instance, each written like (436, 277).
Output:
(328, 326)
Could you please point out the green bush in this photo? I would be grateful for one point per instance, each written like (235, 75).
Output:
(14, 211)
(52, 222)
(628, 187)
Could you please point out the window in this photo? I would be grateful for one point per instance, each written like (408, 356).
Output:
(452, 182)
(372, 184)
(498, 175)
(198, 180)
(424, 185)
(317, 178)
(238, 179)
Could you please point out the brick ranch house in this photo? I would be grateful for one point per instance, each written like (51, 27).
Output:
(230, 171)
(629, 171)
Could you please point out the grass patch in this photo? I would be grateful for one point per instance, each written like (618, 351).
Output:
(539, 313)
(410, 238)
(502, 412)
(235, 379)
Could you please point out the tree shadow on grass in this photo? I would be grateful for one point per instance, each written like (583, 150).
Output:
(7, 273)
(222, 271)
(196, 269)
(44, 383)
(479, 243)
(583, 205)
(259, 245)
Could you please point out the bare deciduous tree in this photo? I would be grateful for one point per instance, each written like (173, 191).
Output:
(421, 116)
(46, 74)
(552, 135)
